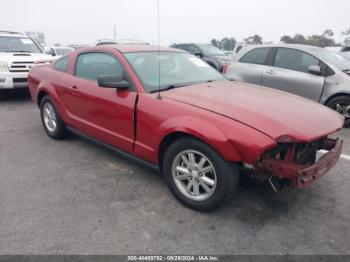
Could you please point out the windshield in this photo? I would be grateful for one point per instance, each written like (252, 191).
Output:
(18, 44)
(335, 59)
(63, 51)
(210, 50)
(176, 69)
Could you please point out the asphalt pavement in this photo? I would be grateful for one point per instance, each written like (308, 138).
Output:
(75, 197)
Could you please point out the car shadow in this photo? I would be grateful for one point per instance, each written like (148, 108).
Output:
(254, 203)
(14, 95)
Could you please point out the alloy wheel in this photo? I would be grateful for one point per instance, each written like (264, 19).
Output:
(49, 116)
(343, 109)
(194, 175)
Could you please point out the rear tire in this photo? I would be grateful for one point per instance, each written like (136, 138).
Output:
(51, 119)
(341, 104)
(197, 175)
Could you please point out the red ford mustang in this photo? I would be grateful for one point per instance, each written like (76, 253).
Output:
(170, 110)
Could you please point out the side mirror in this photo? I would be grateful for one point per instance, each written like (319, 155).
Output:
(315, 70)
(200, 55)
(113, 81)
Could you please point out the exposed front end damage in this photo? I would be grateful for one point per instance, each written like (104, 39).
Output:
(296, 165)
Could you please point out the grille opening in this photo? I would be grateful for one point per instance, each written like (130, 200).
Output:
(279, 152)
(24, 62)
(20, 80)
(305, 154)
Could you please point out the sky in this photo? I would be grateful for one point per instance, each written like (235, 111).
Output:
(86, 21)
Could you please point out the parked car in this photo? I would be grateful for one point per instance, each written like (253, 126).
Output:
(333, 48)
(345, 52)
(312, 72)
(345, 49)
(239, 46)
(228, 52)
(208, 53)
(195, 126)
(18, 53)
(58, 51)
(106, 42)
(120, 41)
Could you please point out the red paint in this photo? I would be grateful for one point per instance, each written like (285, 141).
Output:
(240, 121)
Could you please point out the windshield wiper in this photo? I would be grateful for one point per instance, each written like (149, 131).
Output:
(167, 88)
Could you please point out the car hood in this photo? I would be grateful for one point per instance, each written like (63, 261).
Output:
(282, 116)
(19, 57)
(223, 57)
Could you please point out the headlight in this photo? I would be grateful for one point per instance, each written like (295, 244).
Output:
(4, 66)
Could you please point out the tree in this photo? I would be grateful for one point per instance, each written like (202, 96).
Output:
(253, 40)
(323, 40)
(346, 32)
(328, 33)
(320, 41)
(287, 39)
(347, 41)
(228, 43)
(299, 39)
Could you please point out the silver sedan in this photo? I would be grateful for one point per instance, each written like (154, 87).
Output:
(312, 72)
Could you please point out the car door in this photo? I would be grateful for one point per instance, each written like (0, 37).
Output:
(290, 72)
(250, 66)
(106, 114)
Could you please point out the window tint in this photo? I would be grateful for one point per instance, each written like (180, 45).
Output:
(193, 50)
(256, 56)
(294, 59)
(182, 47)
(62, 64)
(92, 65)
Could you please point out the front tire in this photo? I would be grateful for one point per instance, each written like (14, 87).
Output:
(197, 175)
(51, 119)
(341, 104)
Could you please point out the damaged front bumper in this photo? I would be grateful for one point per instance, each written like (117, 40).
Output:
(299, 168)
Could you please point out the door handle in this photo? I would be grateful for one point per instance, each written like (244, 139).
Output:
(271, 72)
(74, 90)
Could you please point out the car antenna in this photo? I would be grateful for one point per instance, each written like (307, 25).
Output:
(158, 96)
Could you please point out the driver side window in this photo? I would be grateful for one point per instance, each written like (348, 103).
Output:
(92, 65)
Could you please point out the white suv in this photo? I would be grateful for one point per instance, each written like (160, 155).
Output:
(18, 53)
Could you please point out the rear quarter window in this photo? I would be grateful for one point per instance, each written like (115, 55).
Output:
(256, 56)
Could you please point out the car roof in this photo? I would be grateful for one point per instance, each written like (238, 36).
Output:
(62, 47)
(197, 44)
(13, 34)
(313, 50)
(295, 46)
(131, 48)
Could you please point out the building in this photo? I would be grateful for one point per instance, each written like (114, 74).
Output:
(37, 36)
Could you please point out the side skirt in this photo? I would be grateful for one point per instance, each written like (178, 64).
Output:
(121, 153)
